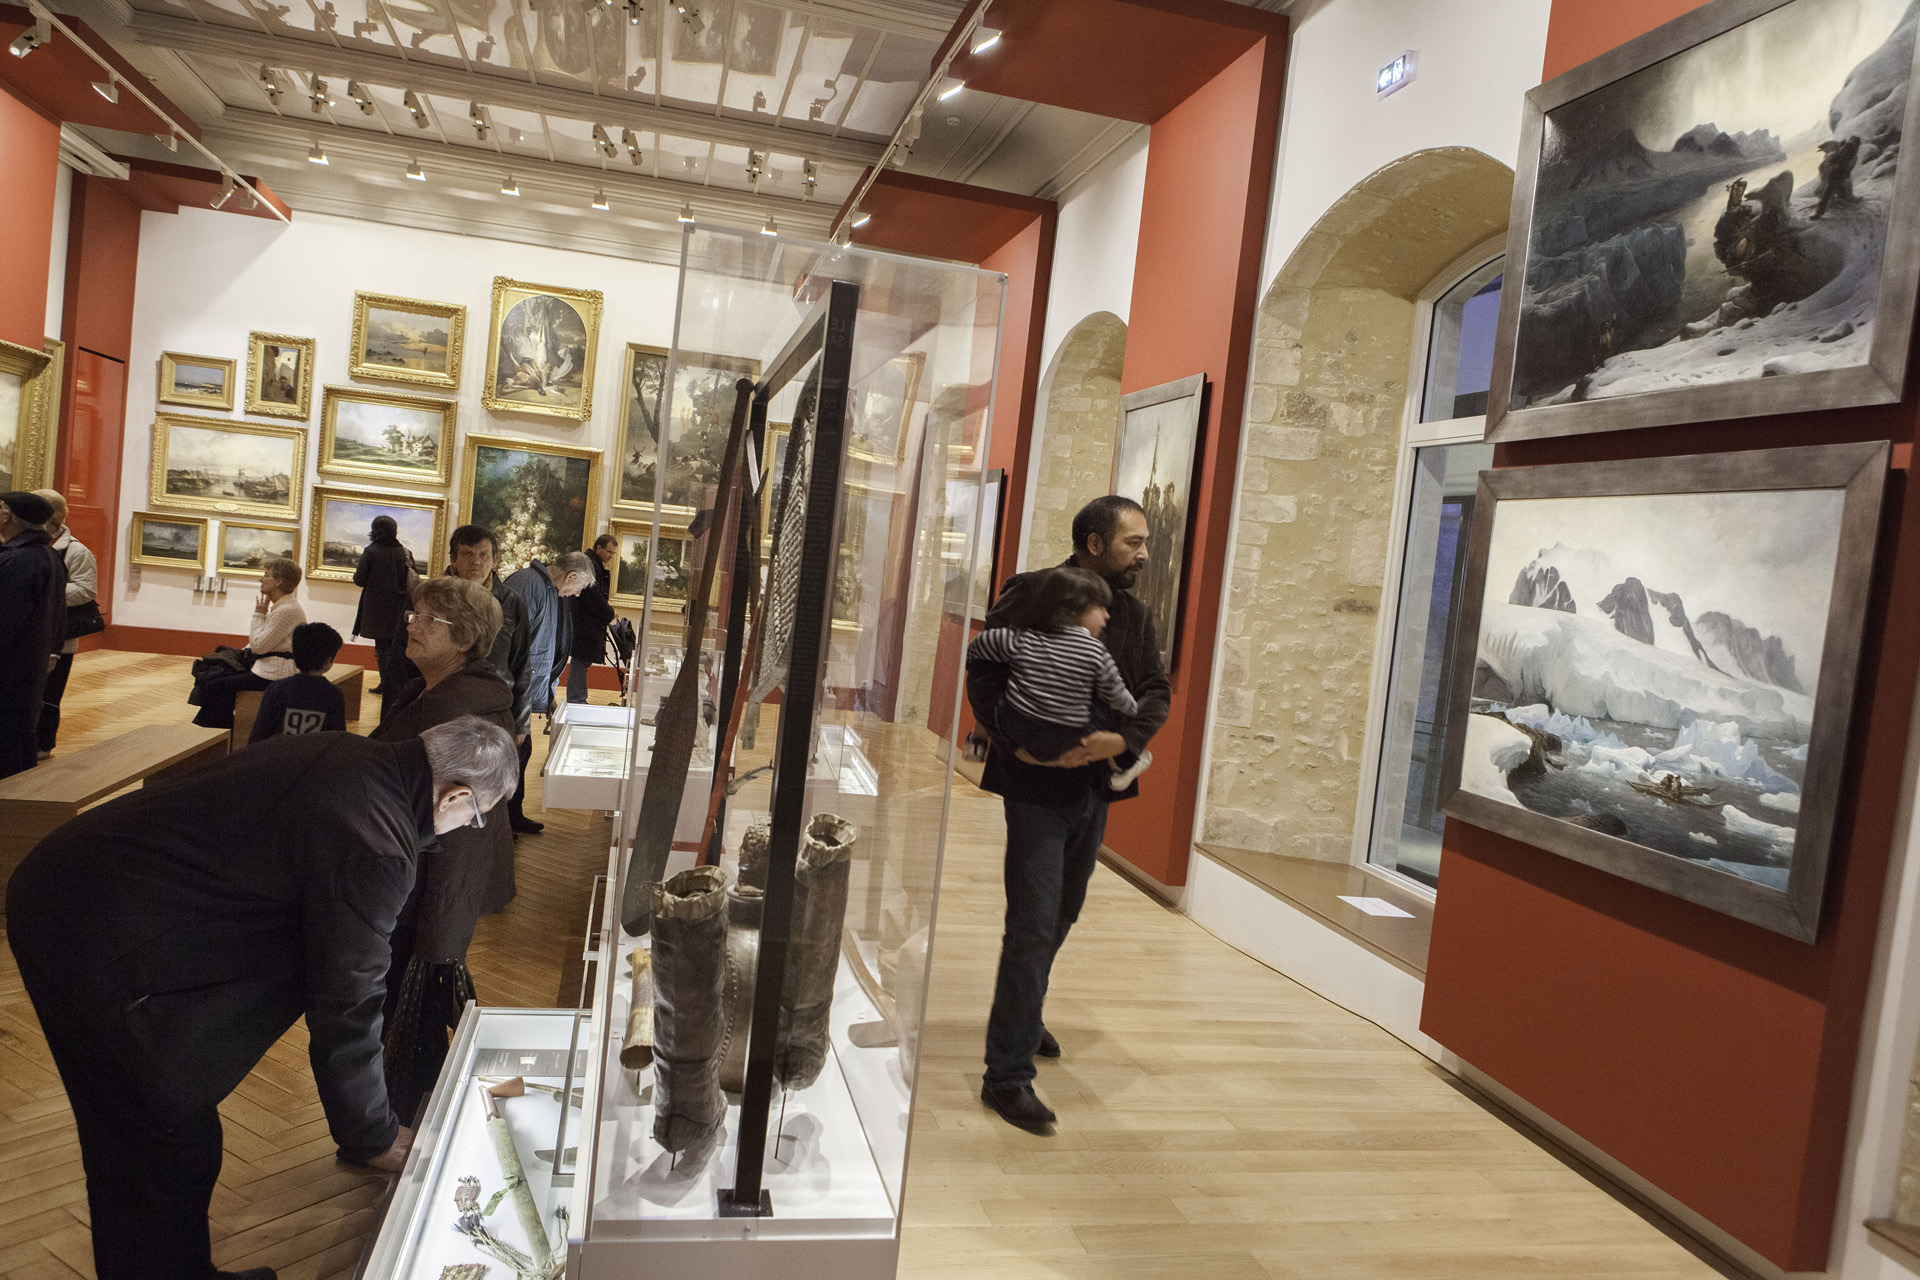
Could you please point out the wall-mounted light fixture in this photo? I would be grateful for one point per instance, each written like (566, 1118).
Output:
(411, 101)
(602, 141)
(358, 92)
(415, 172)
(949, 88)
(984, 38)
(860, 219)
(270, 84)
(315, 155)
(108, 89)
(600, 201)
(226, 193)
(771, 228)
(686, 212)
(508, 187)
(478, 114)
(318, 95)
(632, 144)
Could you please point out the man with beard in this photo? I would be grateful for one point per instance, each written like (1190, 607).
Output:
(1057, 812)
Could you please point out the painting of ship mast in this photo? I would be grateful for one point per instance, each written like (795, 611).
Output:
(1153, 463)
(239, 468)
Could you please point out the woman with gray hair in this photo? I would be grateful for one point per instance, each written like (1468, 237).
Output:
(450, 632)
(276, 612)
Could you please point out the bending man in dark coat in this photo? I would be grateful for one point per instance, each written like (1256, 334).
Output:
(1057, 813)
(169, 937)
(592, 610)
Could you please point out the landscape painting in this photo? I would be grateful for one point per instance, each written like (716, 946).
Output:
(204, 382)
(672, 571)
(881, 408)
(246, 548)
(1153, 463)
(386, 436)
(704, 389)
(541, 349)
(407, 340)
(539, 499)
(341, 528)
(1656, 670)
(279, 375)
(238, 468)
(169, 542)
(1722, 215)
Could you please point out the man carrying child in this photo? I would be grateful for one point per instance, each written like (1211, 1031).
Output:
(1038, 687)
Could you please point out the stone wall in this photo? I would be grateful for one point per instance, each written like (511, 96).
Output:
(1326, 411)
(1078, 422)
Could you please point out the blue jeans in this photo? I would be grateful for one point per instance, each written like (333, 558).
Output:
(1051, 850)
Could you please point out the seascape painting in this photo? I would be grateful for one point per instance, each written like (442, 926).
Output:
(246, 548)
(542, 350)
(165, 542)
(538, 499)
(703, 398)
(202, 381)
(386, 436)
(1153, 463)
(342, 524)
(211, 464)
(404, 340)
(1719, 216)
(881, 408)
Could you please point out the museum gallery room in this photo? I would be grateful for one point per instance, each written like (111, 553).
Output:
(542, 545)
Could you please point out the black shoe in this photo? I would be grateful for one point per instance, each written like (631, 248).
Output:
(527, 826)
(379, 688)
(1017, 1104)
(1049, 1047)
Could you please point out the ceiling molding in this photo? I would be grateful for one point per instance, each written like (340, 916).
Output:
(187, 36)
(930, 21)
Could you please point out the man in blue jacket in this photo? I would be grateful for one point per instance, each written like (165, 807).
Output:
(541, 588)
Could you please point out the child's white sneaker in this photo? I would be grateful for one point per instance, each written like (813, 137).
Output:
(1124, 778)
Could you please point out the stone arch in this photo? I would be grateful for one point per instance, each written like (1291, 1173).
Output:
(1332, 345)
(1077, 421)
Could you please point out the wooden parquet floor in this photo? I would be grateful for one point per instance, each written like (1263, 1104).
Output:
(1217, 1119)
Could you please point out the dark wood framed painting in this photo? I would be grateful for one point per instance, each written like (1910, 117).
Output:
(1656, 668)
(1154, 462)
(1714, 221)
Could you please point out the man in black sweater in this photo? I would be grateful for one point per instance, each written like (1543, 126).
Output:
(33, 623)
(169, 937)
(1057, 812)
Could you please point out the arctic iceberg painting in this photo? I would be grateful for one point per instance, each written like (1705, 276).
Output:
(1657, 672)
(1714, 216)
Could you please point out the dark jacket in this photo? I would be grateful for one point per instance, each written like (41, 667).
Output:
(197, 919)
(33, 624)
(382, 575)
(592, 611)
(303, 703)
(470, 871)
(512, 651)
(1136, 651)
(549, 631)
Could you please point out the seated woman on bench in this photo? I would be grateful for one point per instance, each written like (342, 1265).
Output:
(269, 639)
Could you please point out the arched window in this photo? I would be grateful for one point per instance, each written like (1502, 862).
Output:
(1441, 457)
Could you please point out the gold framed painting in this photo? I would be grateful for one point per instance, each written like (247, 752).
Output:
(384, 435)
(703, 395)
(880, 409)
(279, 375)
(168, 542)
(228, 466)
(407, 340)
(33, 468)
(672, 566)
(540, 499)
(198, 382)
(773, 461)
(540, 349)
(245, 548)
(26, 440)
(341, 526)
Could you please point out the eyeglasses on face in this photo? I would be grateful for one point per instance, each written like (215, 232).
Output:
(479, 819)
(414, 616)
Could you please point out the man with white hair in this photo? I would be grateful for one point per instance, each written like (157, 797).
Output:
(542, 588)
(168, 938)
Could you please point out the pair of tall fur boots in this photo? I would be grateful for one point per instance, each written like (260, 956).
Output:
(705, 959)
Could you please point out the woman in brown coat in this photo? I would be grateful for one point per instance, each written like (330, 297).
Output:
(450, 633)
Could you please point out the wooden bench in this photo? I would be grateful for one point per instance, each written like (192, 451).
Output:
(33, 803)
(344, 676)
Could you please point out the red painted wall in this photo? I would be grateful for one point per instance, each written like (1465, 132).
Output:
(29, 162)
(1195, 281)
(1027, 260)
(1710, 1056)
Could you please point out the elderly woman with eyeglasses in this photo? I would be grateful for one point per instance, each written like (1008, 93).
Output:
(450, 632)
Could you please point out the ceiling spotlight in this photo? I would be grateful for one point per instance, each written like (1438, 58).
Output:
(771, 229)
(809, 176)
(508, 187)
(415, 172)
(478, 114)
(319, 96)
(686, 211)
(41, 32)
(411, 101)
(860, 219)
(602, 141)
(600, 201)
(984, 38)
(632, 144)
(108, 89)
(754, 160)
(226, 193)
(315, 155)
(359, 94)
(634, 10)
(270, 84)
(948, 88)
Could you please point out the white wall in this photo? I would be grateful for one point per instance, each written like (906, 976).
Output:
(1477, 59)
(207, 279)
(1094, 247)
(57, 261)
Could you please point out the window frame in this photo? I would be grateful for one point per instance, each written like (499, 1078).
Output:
(1415, 435)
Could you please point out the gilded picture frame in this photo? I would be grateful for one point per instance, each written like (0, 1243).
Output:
(279, 375)
(772, 459)
(337, 530)
(28, 394)
(241, 554)
(183, 380)
(541, 345)
(36, 458)
(387, 435)
(701, 411)
(228, 466)
(385, 327)
(880, 410)
(154, 541)
(629, 583)
(540, 498)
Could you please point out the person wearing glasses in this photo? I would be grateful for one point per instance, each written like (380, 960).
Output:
(450, 631)
(169, 937)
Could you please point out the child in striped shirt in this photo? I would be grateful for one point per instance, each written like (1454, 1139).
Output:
(1059, 668)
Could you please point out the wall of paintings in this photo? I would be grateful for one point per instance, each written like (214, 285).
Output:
(290, 383)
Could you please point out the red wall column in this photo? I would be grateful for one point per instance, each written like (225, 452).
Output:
(29, 164)
(1195, 291)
